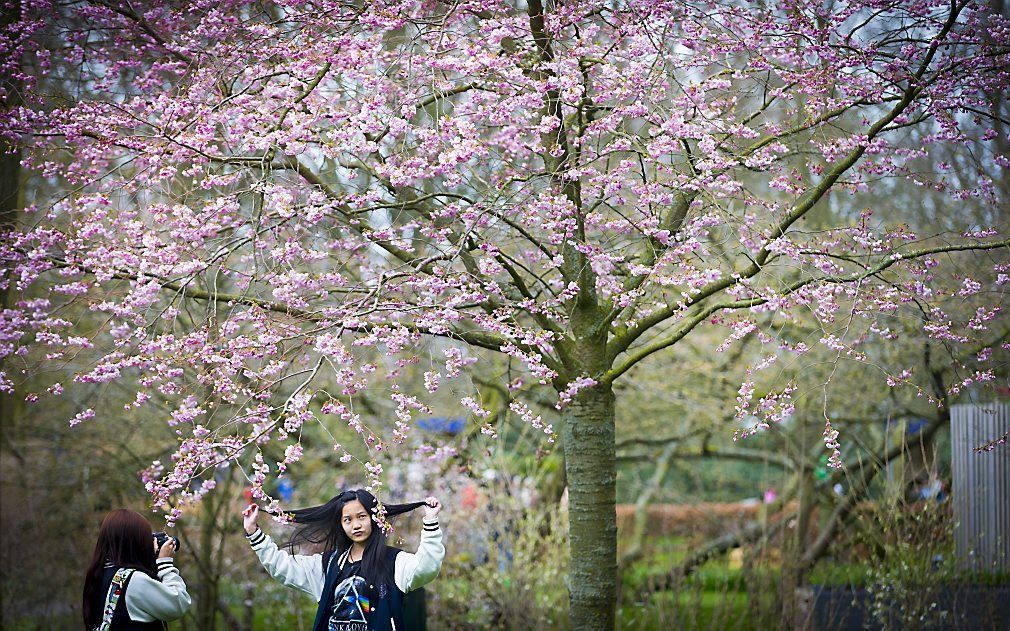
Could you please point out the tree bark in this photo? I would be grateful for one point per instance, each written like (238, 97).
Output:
(590, 465)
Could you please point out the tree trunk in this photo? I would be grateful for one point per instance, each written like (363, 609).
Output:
(207, 589)
(795, 546)
(590, 465)
(208, 556)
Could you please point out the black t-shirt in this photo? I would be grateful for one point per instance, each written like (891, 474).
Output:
(353, 600)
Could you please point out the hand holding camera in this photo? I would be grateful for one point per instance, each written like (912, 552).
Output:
(166, 545)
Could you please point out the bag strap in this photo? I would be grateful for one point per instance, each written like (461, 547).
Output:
(112, 599)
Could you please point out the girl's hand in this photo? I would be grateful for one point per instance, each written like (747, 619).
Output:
(249, 516)
(168, 550)
(432, 508)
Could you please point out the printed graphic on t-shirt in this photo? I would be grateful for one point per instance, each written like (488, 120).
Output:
(350, 604)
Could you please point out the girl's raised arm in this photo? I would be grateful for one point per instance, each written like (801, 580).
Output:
(303, 572)
(416, 570)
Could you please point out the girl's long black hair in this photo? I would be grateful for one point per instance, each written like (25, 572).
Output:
(319, 526)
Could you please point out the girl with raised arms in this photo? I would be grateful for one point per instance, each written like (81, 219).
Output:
(358, 581)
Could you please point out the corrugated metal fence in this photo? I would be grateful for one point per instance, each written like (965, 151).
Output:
(981, 486)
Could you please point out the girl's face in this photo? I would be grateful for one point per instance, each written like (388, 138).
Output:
(357, 522)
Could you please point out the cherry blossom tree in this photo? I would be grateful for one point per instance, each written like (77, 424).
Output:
(258, 198)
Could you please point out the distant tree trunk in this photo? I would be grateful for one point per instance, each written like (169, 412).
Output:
(794, 572)
(10, 187)
(206, 597)
(211, 559)
(10, 154)
(635, 540)
(10, 176)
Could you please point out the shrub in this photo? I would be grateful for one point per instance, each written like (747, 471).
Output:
(513, 577)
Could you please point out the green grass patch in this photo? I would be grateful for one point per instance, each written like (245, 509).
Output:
(693, 609)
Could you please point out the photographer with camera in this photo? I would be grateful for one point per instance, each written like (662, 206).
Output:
(132, 583)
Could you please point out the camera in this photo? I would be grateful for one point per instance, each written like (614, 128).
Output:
(162, 537)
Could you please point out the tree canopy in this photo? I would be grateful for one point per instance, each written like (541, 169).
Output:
(267, 206)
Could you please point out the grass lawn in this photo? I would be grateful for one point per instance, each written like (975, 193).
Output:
(705, 609)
